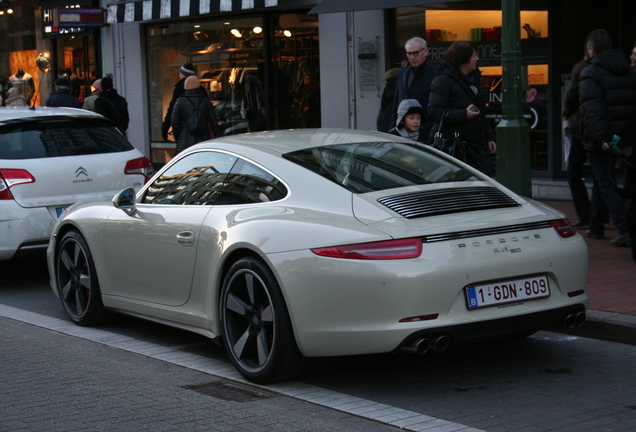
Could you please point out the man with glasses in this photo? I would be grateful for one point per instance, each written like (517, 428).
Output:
(414, 81)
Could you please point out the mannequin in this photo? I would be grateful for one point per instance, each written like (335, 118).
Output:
(24, 83)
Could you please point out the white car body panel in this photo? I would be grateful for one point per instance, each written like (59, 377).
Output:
(167, 238)
(61, 181)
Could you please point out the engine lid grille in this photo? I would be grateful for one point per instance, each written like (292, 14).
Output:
(447, 201)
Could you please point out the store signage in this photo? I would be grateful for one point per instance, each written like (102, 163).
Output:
(63, 18)
(368, 65)
(51, 31)
(534, 51)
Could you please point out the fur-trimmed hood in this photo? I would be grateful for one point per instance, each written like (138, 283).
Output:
(390, 74)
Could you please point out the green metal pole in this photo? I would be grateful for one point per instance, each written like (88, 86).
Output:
(513, 132)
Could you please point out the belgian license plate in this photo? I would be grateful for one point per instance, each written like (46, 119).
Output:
(509, 291)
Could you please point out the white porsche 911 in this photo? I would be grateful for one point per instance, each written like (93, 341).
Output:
(288, 245)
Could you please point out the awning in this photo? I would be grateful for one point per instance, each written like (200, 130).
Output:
(146, 10)
(328, 6)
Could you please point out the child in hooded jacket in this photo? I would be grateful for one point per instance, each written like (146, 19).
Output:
(409, 119)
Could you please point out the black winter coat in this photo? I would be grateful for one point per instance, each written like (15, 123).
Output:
(608, 100)
(63, 98)
(572, 111)
(419, 90)
(167, 121)
(383, 121)
(114, 107)
(183, 109)
(453, 91)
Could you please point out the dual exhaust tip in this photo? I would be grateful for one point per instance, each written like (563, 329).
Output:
(575, 319)
(422, 345)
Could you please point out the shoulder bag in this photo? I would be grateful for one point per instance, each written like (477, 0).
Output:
(450, 142)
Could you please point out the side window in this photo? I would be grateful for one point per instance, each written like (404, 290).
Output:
(194, 180)
(247, 184)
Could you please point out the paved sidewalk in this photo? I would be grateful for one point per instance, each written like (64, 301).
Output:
(611, 285)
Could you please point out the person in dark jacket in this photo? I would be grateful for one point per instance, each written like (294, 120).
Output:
(185, 71)
(414, 81)
(457, 91)
(62, 96)
(608, 102)
(112, 106)
(194, 97)
(630, 174)
(383, 121)
(577, 155)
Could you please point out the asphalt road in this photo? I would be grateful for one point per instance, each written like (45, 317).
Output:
(134, 375)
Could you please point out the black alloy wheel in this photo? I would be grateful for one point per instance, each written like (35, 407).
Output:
(77, 281)
(257, 331)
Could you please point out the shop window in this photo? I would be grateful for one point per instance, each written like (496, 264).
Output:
(256, 81)
(18, 50)
(77, 61)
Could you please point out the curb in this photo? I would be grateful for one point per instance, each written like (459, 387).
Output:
(609, 326)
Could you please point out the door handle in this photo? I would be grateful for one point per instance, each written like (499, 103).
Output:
(185, 238)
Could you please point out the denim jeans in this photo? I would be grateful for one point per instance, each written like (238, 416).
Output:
(604, 191)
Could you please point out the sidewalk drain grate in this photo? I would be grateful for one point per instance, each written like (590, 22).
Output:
(231, 391)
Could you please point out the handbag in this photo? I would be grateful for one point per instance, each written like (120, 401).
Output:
(450, 143)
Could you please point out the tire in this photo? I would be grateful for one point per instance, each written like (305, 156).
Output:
(77, 281)
(257, 331)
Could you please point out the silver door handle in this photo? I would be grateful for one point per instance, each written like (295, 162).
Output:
(185, 238)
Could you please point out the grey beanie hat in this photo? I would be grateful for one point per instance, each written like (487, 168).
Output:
(409, 106)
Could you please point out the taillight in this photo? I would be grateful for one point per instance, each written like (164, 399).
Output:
(386, 250)
(563, 227)
(12, 177)
(141, 166)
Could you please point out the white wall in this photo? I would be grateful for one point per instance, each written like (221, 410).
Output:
(343, 103)
(334, 86)
(124, 57)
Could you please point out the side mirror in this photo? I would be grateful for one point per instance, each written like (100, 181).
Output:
(125, 200)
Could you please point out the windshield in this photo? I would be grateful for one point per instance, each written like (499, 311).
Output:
(368, 167)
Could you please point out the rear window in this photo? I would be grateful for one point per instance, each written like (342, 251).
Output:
(368, 167)
(58, 137)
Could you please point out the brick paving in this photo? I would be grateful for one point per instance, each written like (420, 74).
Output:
(612, 271)
(77, 385)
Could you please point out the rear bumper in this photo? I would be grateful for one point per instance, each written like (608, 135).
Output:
(500, 328)
(24, 231)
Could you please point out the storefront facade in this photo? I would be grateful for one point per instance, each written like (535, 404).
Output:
(272, 64)
(259, 61)
(552, 37)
